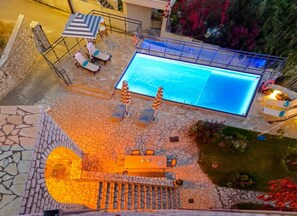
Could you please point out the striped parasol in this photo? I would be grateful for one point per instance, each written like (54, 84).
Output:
(158, 101)
(125, 94)
(82, 26)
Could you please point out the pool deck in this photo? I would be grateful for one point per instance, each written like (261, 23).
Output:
(86, 119)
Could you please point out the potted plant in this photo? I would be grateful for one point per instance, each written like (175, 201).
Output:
(178, 182)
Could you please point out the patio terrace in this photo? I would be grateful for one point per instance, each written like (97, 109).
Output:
(86, 120)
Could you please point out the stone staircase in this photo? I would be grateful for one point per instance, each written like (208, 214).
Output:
(119, 196)
(105, 4)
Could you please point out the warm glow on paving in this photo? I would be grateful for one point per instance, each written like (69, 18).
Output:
(274, 93)
(62, 176)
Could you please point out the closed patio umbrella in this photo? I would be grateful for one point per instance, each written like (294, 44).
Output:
(158, 101)
(125, 94)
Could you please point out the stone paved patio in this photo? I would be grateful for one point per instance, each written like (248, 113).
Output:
(87, 121)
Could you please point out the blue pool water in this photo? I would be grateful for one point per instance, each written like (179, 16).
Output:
(207, 87)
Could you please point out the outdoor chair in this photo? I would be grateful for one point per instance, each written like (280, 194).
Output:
(149, 152)
(280, 113)
(171, 162)
(82, 62)
(145, 117)
(118, 113)
(282, 104)
(135, 152)
(97, 54)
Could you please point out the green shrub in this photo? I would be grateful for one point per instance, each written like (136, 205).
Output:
(280, 133)
(248, 206)
(120, 5)
(291, 162)
(235, 143)
(237, 180)
(207, 132)
(239, 145)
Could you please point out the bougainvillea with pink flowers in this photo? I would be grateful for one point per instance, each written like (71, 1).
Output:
(282, 193)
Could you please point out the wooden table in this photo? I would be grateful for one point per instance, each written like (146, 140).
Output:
(145, 161)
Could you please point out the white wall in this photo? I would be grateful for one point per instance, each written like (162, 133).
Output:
(139, 13)
(158, 4)
(61, 4)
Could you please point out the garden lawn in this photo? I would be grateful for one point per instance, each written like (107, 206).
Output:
(263, 160)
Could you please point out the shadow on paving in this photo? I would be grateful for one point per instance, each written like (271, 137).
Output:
(34, 86)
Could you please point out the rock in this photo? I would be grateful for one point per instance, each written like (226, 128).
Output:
(18, 189)
(32, 119)
(31, 109)
(27, 143)
(27, 155)
(5, 155)
(8, 128)
(9, 109)
(3, 190)
(17, 120)
(16, 157)
(11, 169)
(23, 166)
(29, 132)
(20, 179)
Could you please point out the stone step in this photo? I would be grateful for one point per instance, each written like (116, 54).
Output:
(100, 193)
(115, 196)
(154, 200)
(122, 194)
(164, 198)
(104, 196)
(118, 196)
(90, 91)
(169, 198)
(147, 195)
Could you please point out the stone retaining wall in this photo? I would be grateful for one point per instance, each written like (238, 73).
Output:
(19, 55)
(27, 137)
(99, 176)
(231, 196)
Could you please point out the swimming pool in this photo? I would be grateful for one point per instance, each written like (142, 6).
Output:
(196, 85)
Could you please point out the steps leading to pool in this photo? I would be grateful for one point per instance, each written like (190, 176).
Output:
(94, 92)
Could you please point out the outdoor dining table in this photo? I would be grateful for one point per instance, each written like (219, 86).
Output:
(145, 161)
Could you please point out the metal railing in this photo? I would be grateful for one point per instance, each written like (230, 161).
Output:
(64, 46)
(205, 54)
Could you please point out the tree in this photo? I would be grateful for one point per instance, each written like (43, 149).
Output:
(196, 13)
(282, 193)
(279, 35)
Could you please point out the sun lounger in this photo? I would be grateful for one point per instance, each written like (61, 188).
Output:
(82, 62)
(145, 118)
(280, 113)
(97, 54)
(118, 113)
(282, 104)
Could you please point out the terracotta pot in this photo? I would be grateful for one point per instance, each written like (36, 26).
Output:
(178, 182)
